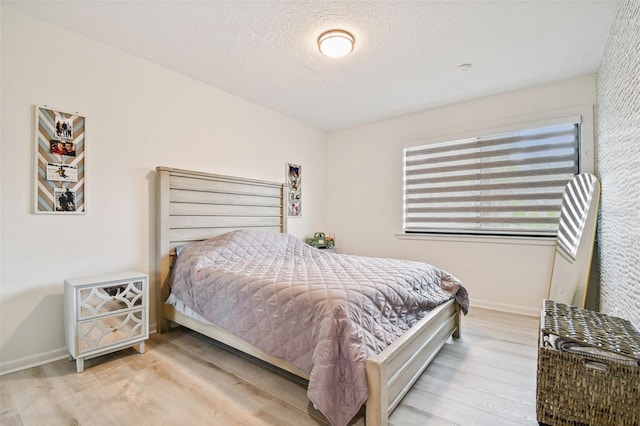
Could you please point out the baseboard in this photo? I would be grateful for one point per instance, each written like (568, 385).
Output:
(503, 307)
(43, 358)
(33, 361)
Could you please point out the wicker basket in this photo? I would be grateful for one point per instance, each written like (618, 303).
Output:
(597, 385)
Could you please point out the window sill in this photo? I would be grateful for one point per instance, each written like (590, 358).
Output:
(481, 239)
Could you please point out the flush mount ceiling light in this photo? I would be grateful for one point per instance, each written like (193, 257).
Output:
(336, 43)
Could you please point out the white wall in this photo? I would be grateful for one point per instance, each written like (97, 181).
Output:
(139, 116)
(365, 194)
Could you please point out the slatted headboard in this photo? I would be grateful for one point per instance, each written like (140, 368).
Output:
(193, 206)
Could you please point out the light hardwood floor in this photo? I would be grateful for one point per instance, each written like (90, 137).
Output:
(485, 378)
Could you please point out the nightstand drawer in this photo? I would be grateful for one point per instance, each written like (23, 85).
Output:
(111, 330)
(97, 300)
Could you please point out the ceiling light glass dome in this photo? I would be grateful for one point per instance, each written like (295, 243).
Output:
(336, 43)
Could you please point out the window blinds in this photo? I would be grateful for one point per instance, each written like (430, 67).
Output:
(504, 184)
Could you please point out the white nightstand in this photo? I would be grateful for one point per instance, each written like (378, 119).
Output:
(105, 313)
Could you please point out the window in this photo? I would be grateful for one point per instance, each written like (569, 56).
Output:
(502, 184)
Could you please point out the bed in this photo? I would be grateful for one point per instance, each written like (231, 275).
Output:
(196, 206)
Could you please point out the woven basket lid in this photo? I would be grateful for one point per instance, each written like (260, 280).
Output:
(591, 328)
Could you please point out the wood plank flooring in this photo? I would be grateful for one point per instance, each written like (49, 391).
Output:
(485, 378)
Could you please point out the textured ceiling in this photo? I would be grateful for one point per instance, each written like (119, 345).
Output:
(405, 60)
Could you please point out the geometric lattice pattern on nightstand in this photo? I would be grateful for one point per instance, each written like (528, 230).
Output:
(110, 330)
(96, 300)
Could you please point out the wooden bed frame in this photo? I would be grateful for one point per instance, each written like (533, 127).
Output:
(193, 206)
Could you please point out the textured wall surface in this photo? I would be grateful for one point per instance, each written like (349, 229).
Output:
(618, 155)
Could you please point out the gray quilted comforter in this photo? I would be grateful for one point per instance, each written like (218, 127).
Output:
(324, 313)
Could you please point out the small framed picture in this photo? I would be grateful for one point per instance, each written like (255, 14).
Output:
(62, 147)
(62, 172)
(64, 199)
(64, 128)
(294, 183)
